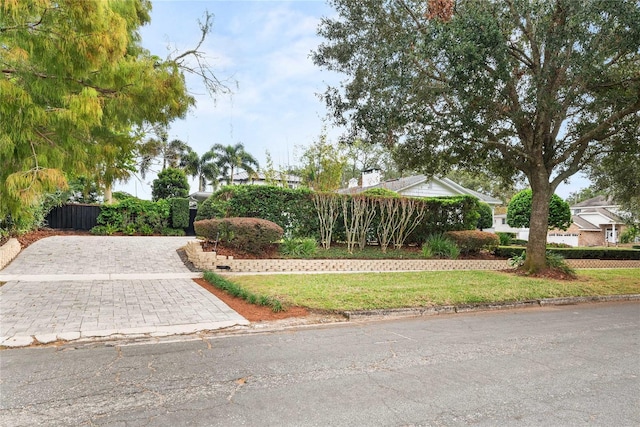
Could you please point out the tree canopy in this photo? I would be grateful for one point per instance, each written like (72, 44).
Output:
(75, 83)
(171, 182)
(519, 211)
(508, 86)
(230, 158)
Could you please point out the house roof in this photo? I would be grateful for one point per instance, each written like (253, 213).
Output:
(400, 184)
(260, 176)
(583, 224)
(200, 195)
(598, 201)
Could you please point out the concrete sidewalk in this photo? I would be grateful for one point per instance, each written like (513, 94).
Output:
(70, 287)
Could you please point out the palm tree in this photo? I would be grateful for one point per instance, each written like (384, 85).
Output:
(232, 158)
(202, 168)
(160, 147)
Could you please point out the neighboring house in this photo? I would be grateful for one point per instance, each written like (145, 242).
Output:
(595, 222)
(500, 226)
(243, 178)
(415, 186)
(259, 178)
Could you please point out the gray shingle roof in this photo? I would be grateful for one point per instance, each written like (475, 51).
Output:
(400, 184)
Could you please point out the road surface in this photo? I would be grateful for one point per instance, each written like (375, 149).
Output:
(560, 366)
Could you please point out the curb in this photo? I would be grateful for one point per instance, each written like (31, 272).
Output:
(470, 308)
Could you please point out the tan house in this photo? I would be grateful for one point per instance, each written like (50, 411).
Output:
(595, 222)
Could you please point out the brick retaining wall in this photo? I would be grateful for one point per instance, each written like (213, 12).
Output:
(211, 261)
(8, 252)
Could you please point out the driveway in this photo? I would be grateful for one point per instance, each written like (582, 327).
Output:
(70, 287)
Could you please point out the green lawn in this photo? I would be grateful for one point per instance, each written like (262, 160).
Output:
(362, 291)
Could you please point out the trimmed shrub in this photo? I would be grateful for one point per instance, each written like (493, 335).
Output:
(473, 241)
(439, 246)
(252, 235)
(179, 208)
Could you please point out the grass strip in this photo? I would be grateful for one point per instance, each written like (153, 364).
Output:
(238, 291)
(366, 291)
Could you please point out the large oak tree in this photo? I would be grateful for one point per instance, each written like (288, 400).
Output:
(539, 87)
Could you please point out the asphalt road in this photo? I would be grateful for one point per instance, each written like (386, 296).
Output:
(560, 366)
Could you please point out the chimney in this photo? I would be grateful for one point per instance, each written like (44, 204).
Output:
(370, 177)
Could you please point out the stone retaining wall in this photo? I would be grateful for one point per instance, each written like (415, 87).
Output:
(212, 261)
(9, 251)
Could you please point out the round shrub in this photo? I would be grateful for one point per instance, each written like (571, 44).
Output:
(252, 235)
(473, 241)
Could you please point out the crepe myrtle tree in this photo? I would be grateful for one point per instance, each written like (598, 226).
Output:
(532, 87)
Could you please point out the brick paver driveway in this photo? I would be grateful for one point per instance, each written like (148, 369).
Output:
(69, 287)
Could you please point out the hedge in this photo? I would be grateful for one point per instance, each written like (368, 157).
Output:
(444, 214)
(253, 235)
(294, 211)
(179, 208)
(291, 209)
(576, 253)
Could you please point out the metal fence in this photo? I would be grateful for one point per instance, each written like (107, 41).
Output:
(75, 217)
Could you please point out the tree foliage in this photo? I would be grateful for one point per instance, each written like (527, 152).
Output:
(231, 158)
(323, 165)
(170, 183)
(539, 88)
(204, 168)
(486, 216)
(75, 82)
(519, 211)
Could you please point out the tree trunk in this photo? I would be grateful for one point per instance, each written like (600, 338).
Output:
(202, 184)
(108, 195)
(538, 226)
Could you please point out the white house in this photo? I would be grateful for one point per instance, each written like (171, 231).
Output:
(243, 178)
(415, 186)
(259, 178)
(500, 226)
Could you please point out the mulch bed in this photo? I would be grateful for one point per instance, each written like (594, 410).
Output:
(251, 312)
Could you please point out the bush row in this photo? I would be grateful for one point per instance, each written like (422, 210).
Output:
(576, 253)
(134, 216)
(294, 211)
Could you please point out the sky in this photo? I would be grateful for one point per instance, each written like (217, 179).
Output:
(261, 49)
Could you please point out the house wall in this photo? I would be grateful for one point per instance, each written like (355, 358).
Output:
(570, 236)
(500, 225)
(429, 189)
(591, 238)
